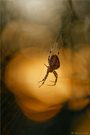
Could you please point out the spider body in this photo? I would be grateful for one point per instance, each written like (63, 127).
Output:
(54, 63)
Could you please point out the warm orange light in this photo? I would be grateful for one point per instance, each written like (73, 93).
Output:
(25, 71)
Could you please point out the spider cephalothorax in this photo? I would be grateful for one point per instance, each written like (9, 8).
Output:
(54, 63)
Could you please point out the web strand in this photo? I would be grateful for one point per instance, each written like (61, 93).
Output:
(58, 43)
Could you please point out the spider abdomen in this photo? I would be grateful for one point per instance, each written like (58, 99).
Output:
(54, 62)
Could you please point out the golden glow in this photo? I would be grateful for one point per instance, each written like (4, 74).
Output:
(24, 72)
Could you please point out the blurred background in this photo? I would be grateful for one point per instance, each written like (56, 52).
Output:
(26, 23)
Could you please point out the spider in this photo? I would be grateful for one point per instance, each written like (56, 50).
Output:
(54, 63)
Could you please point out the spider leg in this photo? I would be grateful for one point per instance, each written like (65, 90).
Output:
(46, 65)
(44, 79)
(56, 77)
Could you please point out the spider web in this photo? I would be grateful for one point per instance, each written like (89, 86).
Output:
(57, 44)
